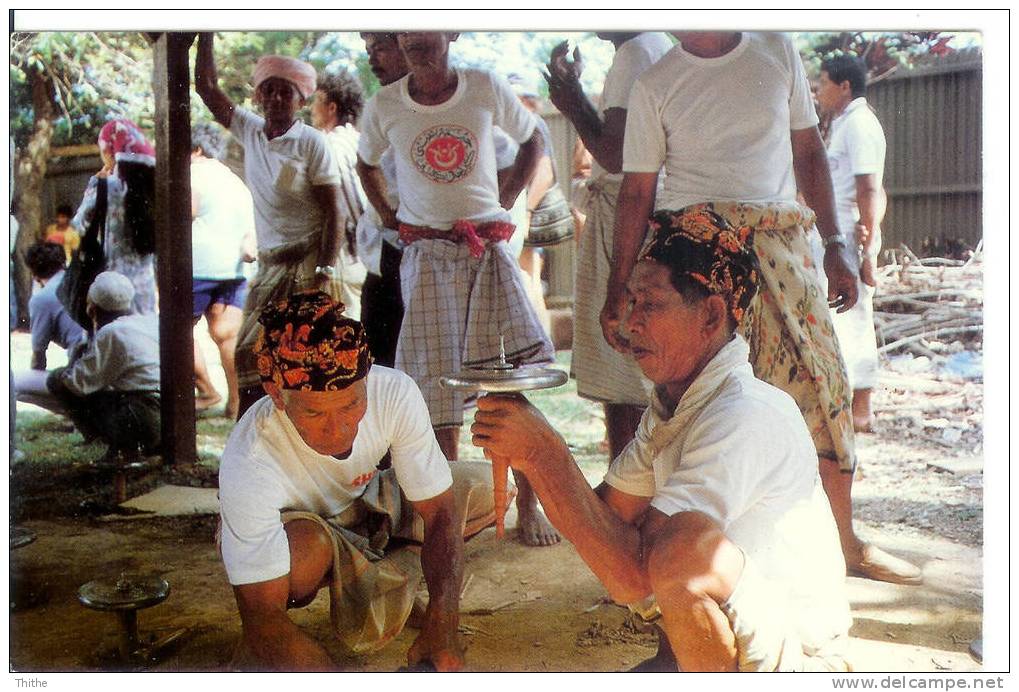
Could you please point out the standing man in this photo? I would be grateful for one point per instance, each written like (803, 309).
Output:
(295, 189)
(462, 289)
(856, 157)
(713, 522)
(379, 245)
(602, 373)
(337, 106)
(746, 163)
(306, 503)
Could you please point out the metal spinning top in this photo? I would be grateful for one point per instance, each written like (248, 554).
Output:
(503, 378)
(126, 595)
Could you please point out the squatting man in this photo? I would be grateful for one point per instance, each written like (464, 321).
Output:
(713, 522)
(310, 498)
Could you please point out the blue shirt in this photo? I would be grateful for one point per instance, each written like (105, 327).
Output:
(50, 321)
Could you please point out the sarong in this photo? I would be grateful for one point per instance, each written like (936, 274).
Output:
(456, 307)
(283, 271)
(789, 328)
(603, 374)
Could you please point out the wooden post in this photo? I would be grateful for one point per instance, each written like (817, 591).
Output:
(171, 85)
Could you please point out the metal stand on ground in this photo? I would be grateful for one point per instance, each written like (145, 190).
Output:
(125, 596)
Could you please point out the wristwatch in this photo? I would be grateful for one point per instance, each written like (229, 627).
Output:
(834, 239)
(328, 271)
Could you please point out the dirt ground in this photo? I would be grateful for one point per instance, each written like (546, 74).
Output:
(919, 494)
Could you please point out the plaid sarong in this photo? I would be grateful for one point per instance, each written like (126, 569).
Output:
(789, 328)
(456, 308)
(603, 374)
(283, 271)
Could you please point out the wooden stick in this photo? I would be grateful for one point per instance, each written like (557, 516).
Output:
(934, 333)
(500, 469)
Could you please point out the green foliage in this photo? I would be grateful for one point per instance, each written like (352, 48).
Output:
(94, 77)
(883, 52)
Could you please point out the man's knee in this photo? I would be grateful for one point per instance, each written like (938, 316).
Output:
(691, 556)
(311, 559)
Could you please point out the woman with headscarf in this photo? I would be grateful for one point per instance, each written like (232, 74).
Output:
(129, 162)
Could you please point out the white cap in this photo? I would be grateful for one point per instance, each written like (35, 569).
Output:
(111, 291)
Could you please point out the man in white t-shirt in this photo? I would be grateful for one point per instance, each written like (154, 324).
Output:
(462, 289)
(326, 481)
(602, 373)
(295, 188)
(856, 157)
(713, 521)
(730, 117)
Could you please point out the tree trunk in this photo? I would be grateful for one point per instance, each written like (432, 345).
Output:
(29, 177)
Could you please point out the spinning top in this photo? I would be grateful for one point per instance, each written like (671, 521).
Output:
(126, 595)
(503, 378)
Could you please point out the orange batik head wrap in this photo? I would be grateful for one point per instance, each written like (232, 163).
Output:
(698, 244)
(308, 344)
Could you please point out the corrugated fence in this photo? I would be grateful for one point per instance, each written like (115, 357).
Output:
(932, 121)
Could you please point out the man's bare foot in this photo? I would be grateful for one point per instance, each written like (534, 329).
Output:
(232, 406)
(863, 424)
(535, 529)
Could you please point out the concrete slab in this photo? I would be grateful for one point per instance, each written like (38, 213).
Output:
(176, 500)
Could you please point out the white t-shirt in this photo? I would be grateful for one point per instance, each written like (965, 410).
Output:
(720, 126)
(267, 468)
(445, 155)
(856, 147)
(630, 60)
(122, 357)
(225, 215)
(737, 450)
(280, 173)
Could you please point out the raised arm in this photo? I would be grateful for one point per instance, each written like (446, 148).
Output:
(374, 184)
(810, 164)
(442, 558)
(517, 176)
(268, 632)
(207, 82)
(604, 139)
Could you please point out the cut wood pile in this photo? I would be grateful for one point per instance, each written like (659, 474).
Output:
(930, 307)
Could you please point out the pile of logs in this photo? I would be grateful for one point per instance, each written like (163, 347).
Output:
(924, 304)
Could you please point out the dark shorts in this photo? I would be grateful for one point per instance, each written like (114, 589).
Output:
(228, 292)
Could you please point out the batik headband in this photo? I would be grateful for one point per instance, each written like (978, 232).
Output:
(702, 245)
(306, 343)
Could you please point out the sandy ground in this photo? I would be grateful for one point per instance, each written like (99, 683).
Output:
(524, 609)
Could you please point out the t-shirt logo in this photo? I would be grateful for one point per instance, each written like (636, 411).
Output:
(363, 479)
(445, 153)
